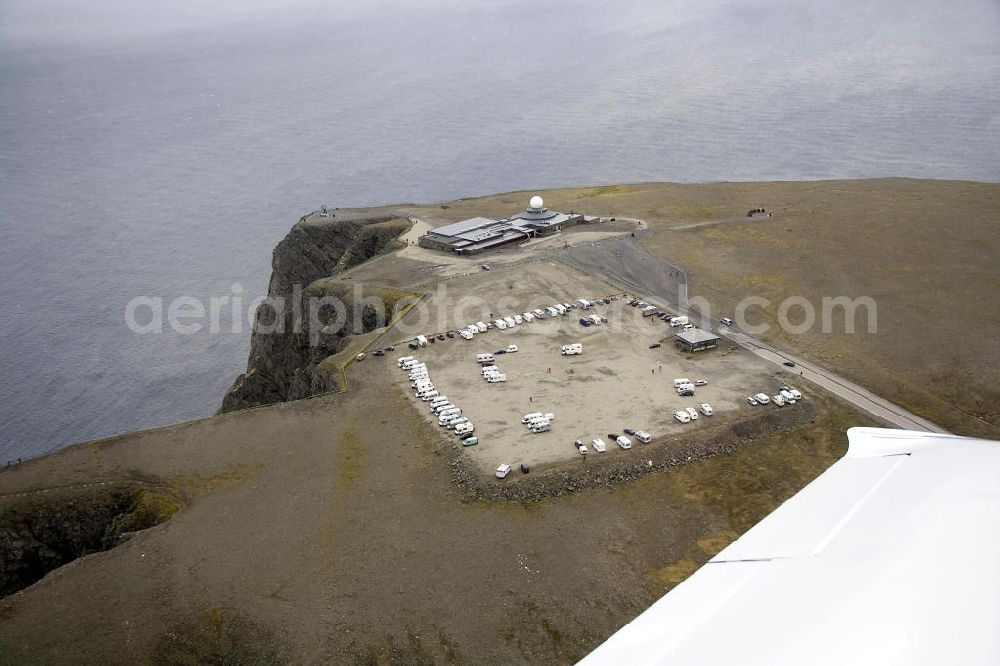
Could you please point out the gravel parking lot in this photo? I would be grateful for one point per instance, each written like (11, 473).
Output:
(617, 382)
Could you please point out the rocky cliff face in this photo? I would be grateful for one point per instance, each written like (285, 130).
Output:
(40, 533)
(287, 345)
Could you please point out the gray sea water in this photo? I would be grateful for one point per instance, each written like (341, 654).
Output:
(162, 149)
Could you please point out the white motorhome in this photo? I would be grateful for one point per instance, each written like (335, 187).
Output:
(762, 398)
(529, 417)
(444, 409)
(439, 400)
(706, 409)
(429, 394)
(518, 319)
(570, 350)
(778, 400)
(537, 422)
(585, 304)
(460, 421)
(403, 359)
(682, 416)
(680, 381)
(503, 471)
(678, 321)
(488, 369)
(465, 429)
(500, 323)
(481, 326)
(511, 323)
(643, 436)
(538, 312)
(447, 420)
(599, 445)
(484, 358)
(528, 317)
(595, 319)
(466, 334)
(541, 427)
(421, 340)
(494, 379)
(560, 308)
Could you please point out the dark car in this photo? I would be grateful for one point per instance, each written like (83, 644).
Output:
(499, 351)
(633, 302)
(790, 364)
(390, 348)
(378, 352)
(524, 468)
(654, 345)
(412, 345)
(585, 322)
(607, 301)
(450, 334)
(441, 336)
(629, 431)
(613, 436)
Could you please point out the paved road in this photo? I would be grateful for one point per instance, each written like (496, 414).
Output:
(626, 264)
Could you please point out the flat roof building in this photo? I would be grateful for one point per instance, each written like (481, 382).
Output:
(695, 339)
(482, 233)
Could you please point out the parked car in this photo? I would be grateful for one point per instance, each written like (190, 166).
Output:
(585, 322)
(682, 416)
(524, 468)
(751, 401)
(726, 321)
(701, 382)
(613, 436)
(581, 447)
(607, 301)
(378, 352)
(470, 441)
(412, 345)
(654, 345)
(503, 471)
(389, 348)
(790, 364)
(511, 349)
(485, 267)
(450, 334)
(499, 351)
(795, 394)
(629, 431)
(692, 412)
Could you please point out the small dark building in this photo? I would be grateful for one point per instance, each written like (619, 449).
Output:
(695, 339)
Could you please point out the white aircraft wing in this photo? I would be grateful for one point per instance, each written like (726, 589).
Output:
(891, 556)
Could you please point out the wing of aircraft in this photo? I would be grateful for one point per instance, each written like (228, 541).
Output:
(891, 556)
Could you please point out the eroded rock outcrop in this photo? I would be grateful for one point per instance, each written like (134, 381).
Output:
(41, 532)
(297, 328)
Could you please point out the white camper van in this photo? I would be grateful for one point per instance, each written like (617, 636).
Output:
(466, 334)
(529, 417)
(421, 340)
(528, 317)
(402, 360)
(486, 359)
(678, 321)
(481, 326)
(573, 349)
(541, 427)
(500, 323)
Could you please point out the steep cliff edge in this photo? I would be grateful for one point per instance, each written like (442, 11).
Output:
(287, 345)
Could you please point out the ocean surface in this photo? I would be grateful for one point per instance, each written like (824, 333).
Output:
(162, 149)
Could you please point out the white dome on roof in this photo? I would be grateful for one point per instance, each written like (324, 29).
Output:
(536, 202)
